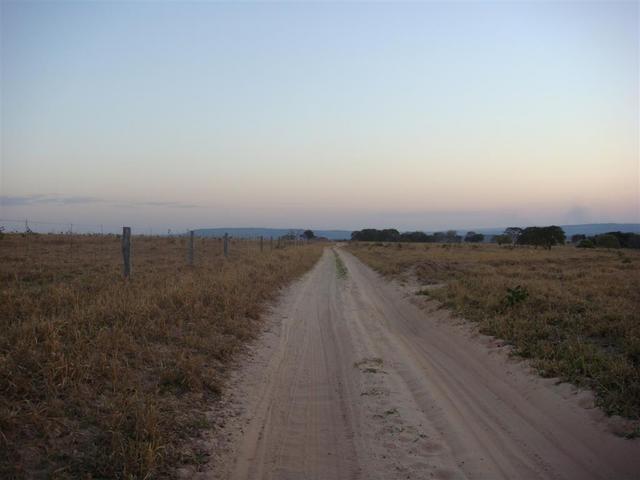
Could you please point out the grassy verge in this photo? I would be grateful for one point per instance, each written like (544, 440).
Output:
(105, 378)
(574, 313)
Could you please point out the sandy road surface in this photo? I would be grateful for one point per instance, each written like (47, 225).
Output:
(353, 381)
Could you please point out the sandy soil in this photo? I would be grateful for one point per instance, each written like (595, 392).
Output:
(353, 380)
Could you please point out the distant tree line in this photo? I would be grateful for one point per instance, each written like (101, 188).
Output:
(608, 240)
(291, 235)
(393, 235)
(545, 237)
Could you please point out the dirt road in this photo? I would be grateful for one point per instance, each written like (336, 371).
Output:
(354, 381)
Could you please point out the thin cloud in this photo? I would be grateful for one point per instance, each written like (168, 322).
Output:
(25, 200)
(40, 199)
(167, 204)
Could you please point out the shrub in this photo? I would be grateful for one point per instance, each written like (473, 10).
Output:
(516, 295)
(586, 243)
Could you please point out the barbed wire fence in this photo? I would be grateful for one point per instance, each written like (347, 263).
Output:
(27, 225)
(94, 238)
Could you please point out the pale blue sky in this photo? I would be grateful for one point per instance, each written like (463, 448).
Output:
(413, 115)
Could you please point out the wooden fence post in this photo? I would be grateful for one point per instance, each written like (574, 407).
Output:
(226, 244)
(261, 243)
(126, 251)
(191, 247)
(271, 243)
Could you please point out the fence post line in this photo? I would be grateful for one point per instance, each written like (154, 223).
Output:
(191, 247)
(226, 244)
(126, 251)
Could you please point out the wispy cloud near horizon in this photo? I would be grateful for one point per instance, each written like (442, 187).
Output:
(49, 199)
(54, 199)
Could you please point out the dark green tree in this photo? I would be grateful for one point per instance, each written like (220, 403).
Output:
(545, 237)
(502, 239)
(607, 241)
(473, 237)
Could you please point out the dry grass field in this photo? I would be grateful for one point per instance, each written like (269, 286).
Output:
(104, 378)
(575, 313)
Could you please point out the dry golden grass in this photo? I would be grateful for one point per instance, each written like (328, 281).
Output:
(580, 320)
(105, 378)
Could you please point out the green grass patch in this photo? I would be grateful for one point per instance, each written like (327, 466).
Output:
(341, 268)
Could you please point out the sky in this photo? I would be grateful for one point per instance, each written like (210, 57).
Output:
(319, 115)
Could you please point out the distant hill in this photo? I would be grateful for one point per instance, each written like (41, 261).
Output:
(598, 228)
(270, 232)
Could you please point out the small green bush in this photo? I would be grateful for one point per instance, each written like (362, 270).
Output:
(586, 243)
(516, 295)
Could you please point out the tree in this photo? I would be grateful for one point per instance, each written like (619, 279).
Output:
(633, 241)
(417, 237)
(291, 235)
(308, 235)
(453, 237)
(577, 237)
(473, 237)
(374, 235)
(502, 239)
(542, 236)
(553, 235)
(514, 234)
(439, 237)
(607, 241)
(627, 240)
